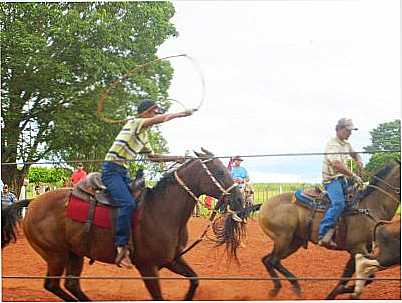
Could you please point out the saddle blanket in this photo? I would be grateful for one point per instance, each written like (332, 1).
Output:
(77, 210)
(303, 199)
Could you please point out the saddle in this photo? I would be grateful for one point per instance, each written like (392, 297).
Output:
(317, 200)
(92, 188)
(313, 198)
(92, 192)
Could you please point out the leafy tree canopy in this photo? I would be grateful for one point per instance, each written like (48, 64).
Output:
(57, 58)
(386, 136)
(56, 176)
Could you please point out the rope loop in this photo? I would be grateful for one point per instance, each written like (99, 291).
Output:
(106, 91)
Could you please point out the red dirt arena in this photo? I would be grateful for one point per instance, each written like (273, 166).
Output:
(19, 259)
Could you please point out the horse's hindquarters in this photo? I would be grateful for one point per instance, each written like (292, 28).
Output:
(278, 215)
(44, 223)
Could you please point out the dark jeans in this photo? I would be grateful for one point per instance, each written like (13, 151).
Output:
(116, 179)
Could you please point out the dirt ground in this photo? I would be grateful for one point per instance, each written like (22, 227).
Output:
(19, 259)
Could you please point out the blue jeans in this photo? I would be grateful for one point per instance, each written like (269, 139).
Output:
(116, 179)
(336, 192)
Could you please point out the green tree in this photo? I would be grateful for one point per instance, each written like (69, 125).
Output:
(56, 176)
(386, 136)
(57, 58)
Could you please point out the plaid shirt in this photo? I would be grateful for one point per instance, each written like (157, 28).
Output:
(7, 199)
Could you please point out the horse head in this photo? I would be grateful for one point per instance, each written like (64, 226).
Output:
(390, 178)
(231, 230)
(218, 182)
(387, 182)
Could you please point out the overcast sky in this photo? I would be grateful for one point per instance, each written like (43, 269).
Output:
(278, 76)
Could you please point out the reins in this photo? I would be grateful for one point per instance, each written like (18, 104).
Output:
(225, 192)
(374, 243)
(391, 187)
(394, 189)
(384, 192)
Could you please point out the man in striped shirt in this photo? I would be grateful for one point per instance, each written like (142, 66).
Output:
(131, 141)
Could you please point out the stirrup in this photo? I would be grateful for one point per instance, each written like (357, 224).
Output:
(331, 244)
(327, 241)
(123, 257)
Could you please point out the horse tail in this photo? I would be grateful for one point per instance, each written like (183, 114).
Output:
(10, 217)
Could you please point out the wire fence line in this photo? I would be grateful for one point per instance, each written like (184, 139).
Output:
(143, 159)
(240, 278)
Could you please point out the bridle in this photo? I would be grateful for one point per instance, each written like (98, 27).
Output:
(224, 193)
(395, 190)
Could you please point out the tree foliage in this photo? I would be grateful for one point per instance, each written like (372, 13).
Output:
(57, 58)
(56, 175)
(386, 136)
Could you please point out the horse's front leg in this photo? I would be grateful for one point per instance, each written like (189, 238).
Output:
(341, 288)
(152, 285)
(179, 266)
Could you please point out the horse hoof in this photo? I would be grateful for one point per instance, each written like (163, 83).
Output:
(273, 292)
(330, 297)
(354, 296)
(297, 292)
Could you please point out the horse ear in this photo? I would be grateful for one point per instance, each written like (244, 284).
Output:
(199, 155)
(207, 152)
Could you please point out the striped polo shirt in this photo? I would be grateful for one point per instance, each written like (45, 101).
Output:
(132, 140)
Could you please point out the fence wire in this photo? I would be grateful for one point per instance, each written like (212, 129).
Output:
(143, 159)
(240, 278)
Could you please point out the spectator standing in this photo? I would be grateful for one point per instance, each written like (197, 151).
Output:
(78, 174)
(7, 197)
(241, 177)
(238, 172)
(37, 191)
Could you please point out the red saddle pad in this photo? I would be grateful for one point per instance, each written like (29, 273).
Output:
(77, 210)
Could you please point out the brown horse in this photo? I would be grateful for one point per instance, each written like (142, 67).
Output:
(158, 239)
(286, 223)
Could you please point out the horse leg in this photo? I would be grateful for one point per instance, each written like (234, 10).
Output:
(340, 287)
(74, 268)
(55, 269)
(275, 278)
(283, 247)
(294, 246)
(179, 266)
(152, 285)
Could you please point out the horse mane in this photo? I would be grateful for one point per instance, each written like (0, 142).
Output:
(380, 174)
(166, 180)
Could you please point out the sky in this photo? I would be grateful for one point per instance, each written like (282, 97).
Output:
(279, 75)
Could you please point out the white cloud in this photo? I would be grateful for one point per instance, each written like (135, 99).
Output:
(280, 74)
(260, 177)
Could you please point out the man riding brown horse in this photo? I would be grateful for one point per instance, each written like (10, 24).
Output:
(131, 141)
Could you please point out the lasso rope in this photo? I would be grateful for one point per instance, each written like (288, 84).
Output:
(105, 93)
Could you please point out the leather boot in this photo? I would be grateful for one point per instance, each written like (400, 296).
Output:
(123, 257)
(327, 241)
